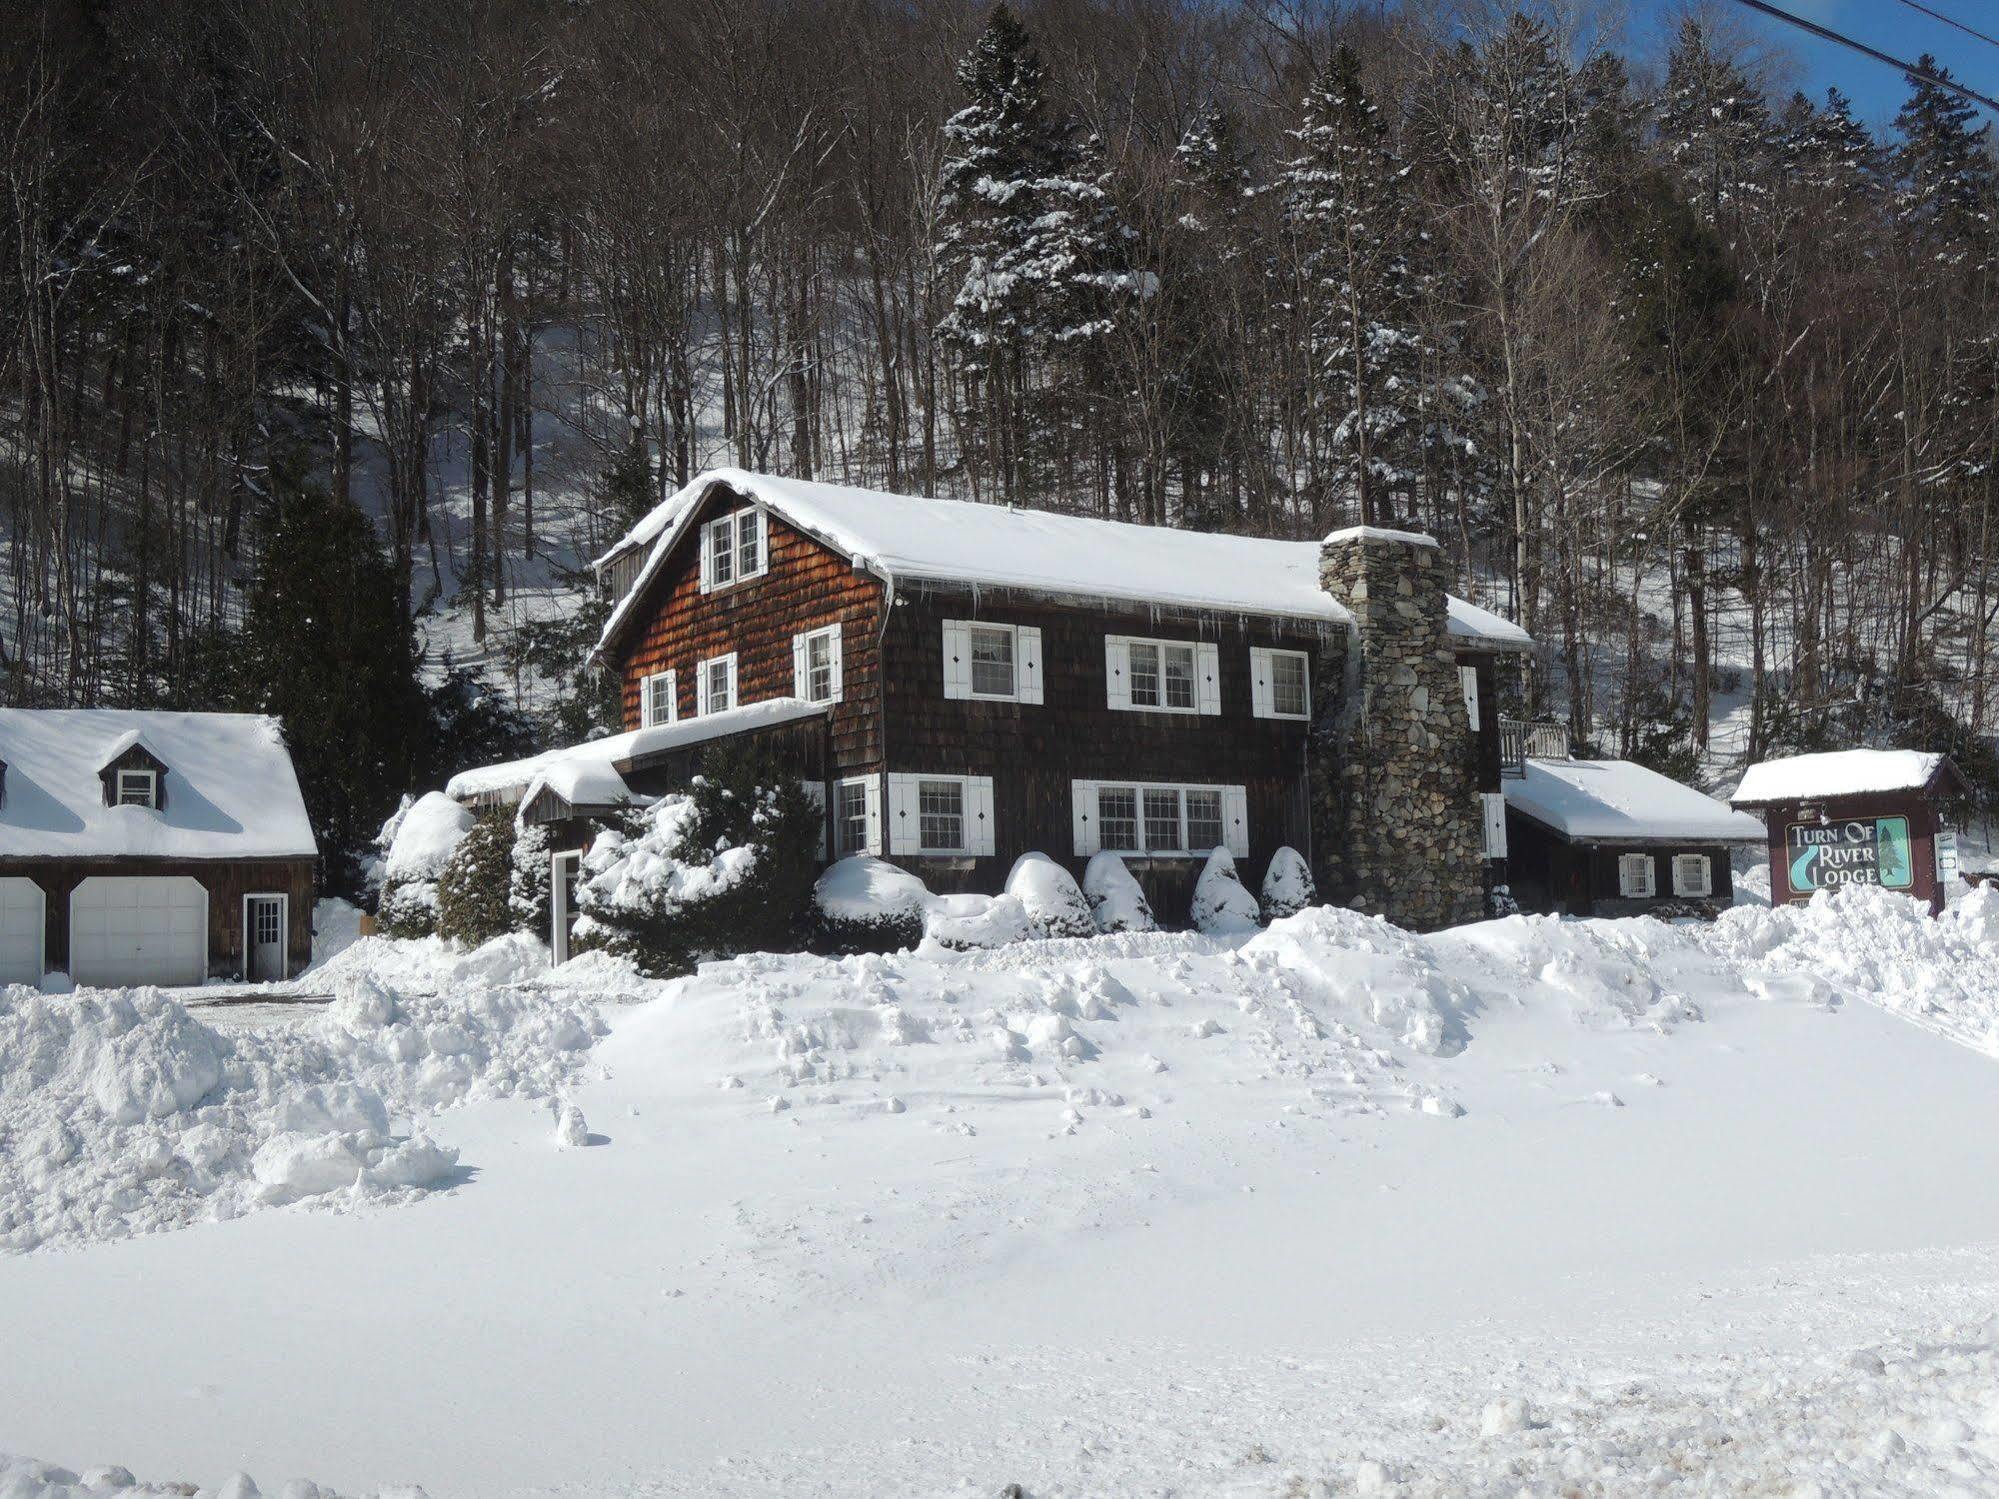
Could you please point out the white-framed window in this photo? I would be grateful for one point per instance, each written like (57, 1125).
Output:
(1634, 876)
(1140, 817)
(659, 699)
(992, 662)
(1693, 875)
(715, 685)
(1280, 683)
(137, 788)
(857, 816)
(940, 814)
(815, 665)
(1162, 676)
(1468, 681)
(734, 548)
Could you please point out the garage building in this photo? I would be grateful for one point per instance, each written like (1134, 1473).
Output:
(151, 848)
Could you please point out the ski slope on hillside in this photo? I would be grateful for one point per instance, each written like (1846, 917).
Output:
(1554, 1206)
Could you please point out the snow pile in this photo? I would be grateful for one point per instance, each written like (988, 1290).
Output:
(23, 1478)
(1863, 942)
(1050, 896)
(1116, 902)
(864, 888)
(121, 1114)
(1221, 904)
(969, 921)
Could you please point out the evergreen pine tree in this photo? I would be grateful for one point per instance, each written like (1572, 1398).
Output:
(1715, 129)
(1943, 171)
(322, 648)
(1346, 207)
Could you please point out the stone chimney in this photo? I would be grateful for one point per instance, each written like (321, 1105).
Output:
(1397, 825)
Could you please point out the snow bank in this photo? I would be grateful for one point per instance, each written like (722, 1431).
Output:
(968, 921)
(23, 1478)
(121, 1114)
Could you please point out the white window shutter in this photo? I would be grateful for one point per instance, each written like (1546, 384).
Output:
(1495, 824)
(838, 680)
(1027, 643)
(762, 523)
(800, 668)
(701, 690)
(732, 679)
(904, 835)
(1083, 812)
(957, 659)
(705, 537)
(1208, 672)
(872, 800)
(981, 838)
(1117, 671)
(1468, 679)
(1235, 820)
(1261, 700)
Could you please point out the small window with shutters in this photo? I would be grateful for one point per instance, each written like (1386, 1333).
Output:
(1280, 683)
(857, 816)
(993, 662)
(1693, 875)
(1634, 876)
(940, 814)
(815, 665)
(658, 700)
(715, 685)
(1162, 676)
(734, 549)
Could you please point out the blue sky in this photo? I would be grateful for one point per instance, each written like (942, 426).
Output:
(1877, 90)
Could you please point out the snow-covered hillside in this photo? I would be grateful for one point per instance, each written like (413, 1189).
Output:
(1529, 1205)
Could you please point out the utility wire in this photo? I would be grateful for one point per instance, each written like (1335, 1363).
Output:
(1909, 69)
(1938, 15)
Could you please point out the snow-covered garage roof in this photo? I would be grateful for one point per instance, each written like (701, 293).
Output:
(571, 767)
(1616, 801)
(1856, 772)
(230, 789)
(909, 538)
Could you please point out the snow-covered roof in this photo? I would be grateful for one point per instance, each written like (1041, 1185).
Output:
(1616, 801)
(581, 782)
(510, 779)
(1854, 772)
(908, 538)
(231, 792)
(655, 521)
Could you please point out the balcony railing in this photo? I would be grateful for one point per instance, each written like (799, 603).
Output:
(1522, 739)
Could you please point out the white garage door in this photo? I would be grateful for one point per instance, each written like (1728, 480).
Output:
(138, 930)
(20, 931)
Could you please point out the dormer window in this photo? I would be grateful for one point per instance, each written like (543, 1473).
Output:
(138, 788)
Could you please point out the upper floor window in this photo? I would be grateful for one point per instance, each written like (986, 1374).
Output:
(137, 788)
(991, 662)
(734, 549)
(815, 665)
(1162, 676)
(1280, 683)
(715, 685)
(659, 701)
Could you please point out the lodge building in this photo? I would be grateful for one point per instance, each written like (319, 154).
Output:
(963, 683)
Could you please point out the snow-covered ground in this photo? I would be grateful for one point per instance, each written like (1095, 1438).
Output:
(1540, 1206)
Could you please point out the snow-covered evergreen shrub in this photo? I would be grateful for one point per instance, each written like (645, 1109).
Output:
(1288, 886)
(472, 893)
(725, 867)
(530, 881)
(1116, 902)
(1221, 904)
(1051, 898)
(1499, 901)
(864, 904)
(965, 922)
(422, 839)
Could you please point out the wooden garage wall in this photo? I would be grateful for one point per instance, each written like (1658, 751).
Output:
(226, 881)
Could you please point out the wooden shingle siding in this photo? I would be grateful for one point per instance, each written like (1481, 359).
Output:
(806, 587)
(1034, 751)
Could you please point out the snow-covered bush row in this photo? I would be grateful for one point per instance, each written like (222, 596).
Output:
(421, 840)
(120, 1113)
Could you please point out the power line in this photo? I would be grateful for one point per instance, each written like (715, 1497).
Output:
(1937, 15)
(1909, 69)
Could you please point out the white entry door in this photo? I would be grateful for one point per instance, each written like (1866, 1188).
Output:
(20, 931)
(563, 869)
(138, 929)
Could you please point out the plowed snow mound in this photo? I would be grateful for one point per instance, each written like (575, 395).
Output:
(120, 1113)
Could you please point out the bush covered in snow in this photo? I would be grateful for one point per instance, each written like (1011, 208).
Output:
(722, 868)
(425, 837)
(1049, 895)
(1221, 904)
(969, 922)
(1116, 902)
(862, 904)
(1288, 886)
(530, 880)
(473, 904)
